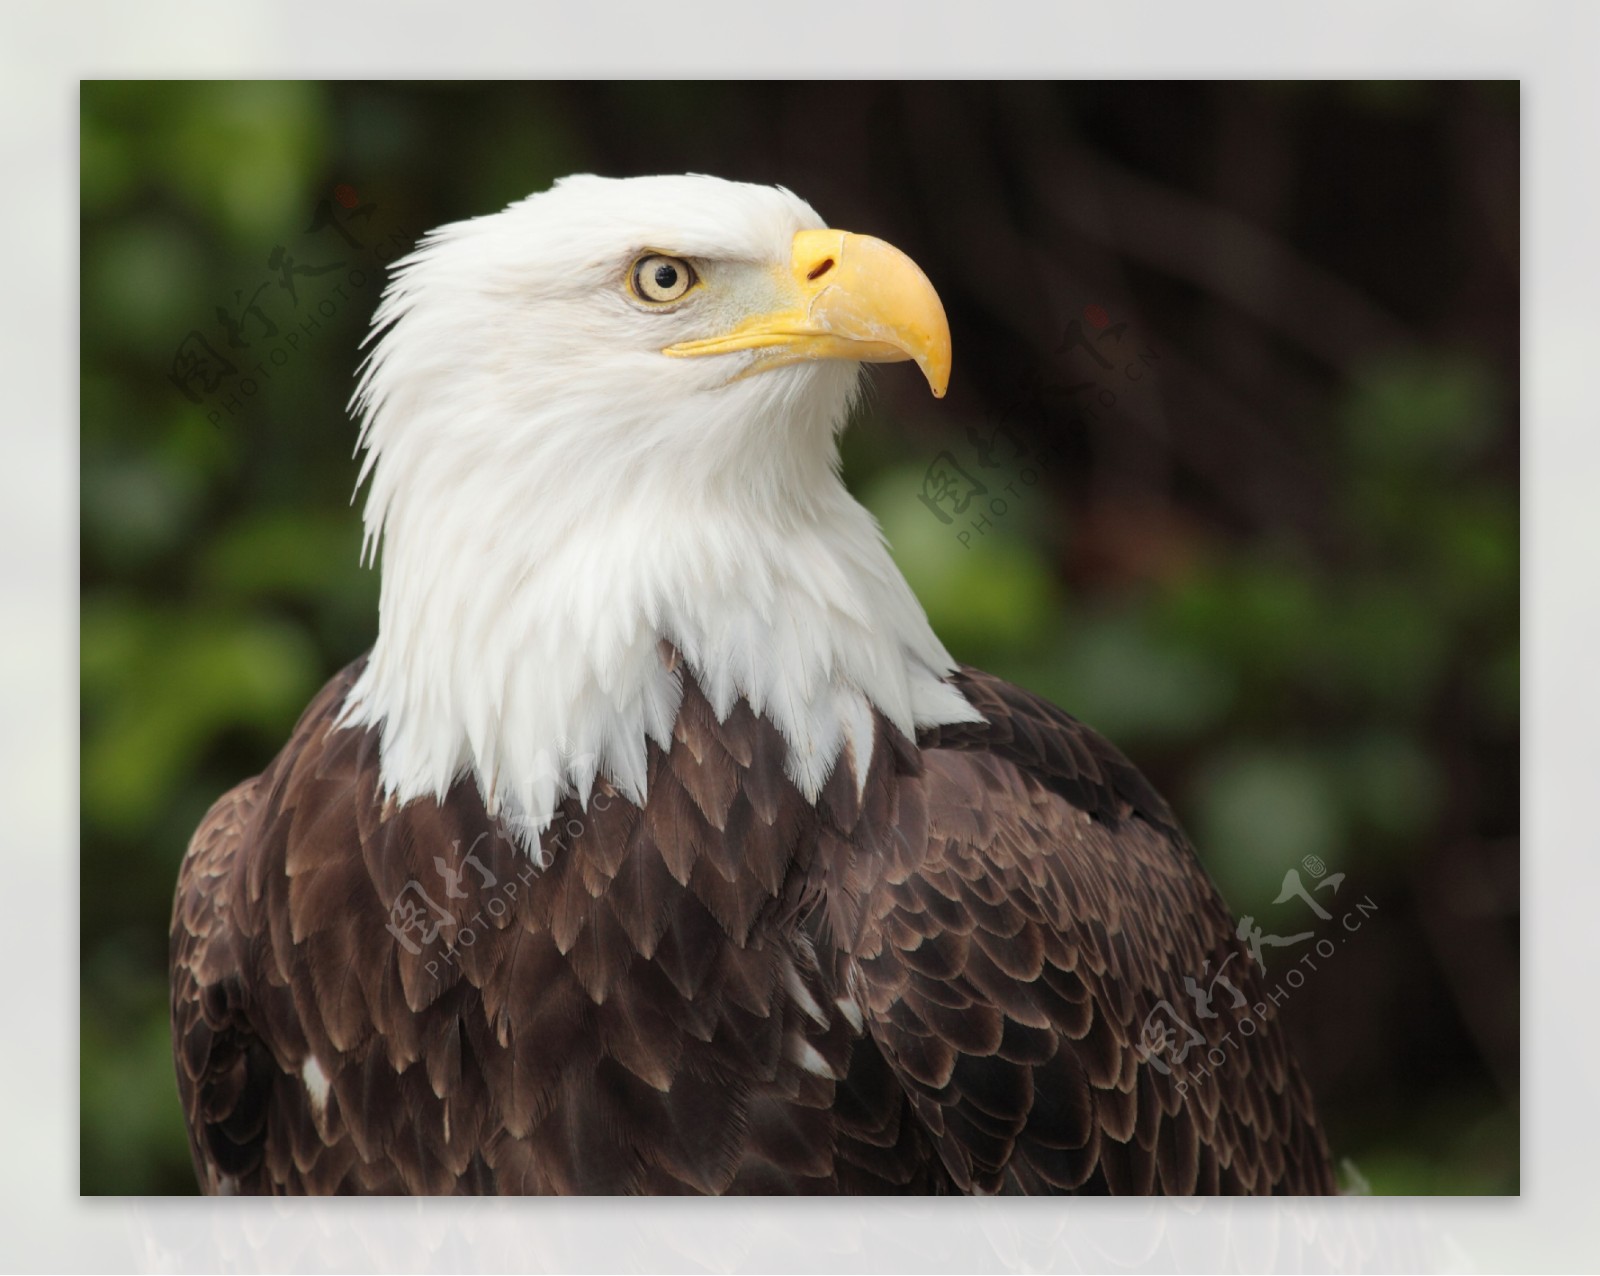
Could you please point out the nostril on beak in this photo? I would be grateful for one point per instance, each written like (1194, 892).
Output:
(820, 269)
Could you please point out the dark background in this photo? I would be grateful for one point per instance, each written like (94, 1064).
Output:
(1255, 351)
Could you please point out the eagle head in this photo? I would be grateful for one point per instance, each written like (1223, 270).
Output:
(601, 425)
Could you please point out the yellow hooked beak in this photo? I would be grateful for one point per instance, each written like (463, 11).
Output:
(843, 296)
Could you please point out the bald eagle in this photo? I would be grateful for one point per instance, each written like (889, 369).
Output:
(657, 845)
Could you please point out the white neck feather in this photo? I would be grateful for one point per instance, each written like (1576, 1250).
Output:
(523, 611)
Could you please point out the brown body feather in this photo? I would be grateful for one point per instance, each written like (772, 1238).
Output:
(935, 984)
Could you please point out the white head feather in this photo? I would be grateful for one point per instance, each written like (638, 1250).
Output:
(554, 498)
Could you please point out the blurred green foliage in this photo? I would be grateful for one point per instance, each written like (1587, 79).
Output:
(1343, 687)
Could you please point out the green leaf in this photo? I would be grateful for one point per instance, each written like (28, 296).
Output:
(197, 676)
(986, 594)
(1259, 812)
(1421, 410)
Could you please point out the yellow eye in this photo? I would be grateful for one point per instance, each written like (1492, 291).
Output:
(658, 278)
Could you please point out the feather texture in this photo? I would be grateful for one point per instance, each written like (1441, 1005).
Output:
(933, 985)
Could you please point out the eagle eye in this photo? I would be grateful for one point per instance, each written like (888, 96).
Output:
(659, 278)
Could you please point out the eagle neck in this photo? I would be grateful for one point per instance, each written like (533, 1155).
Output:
(537, 622)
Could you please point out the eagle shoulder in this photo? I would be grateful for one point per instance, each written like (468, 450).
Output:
(219, 1081)
(1037, 908)
(255, 1097)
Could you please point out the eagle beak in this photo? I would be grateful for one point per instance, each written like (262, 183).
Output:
(843, 296)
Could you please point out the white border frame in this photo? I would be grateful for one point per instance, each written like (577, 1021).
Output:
(1551, 47)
